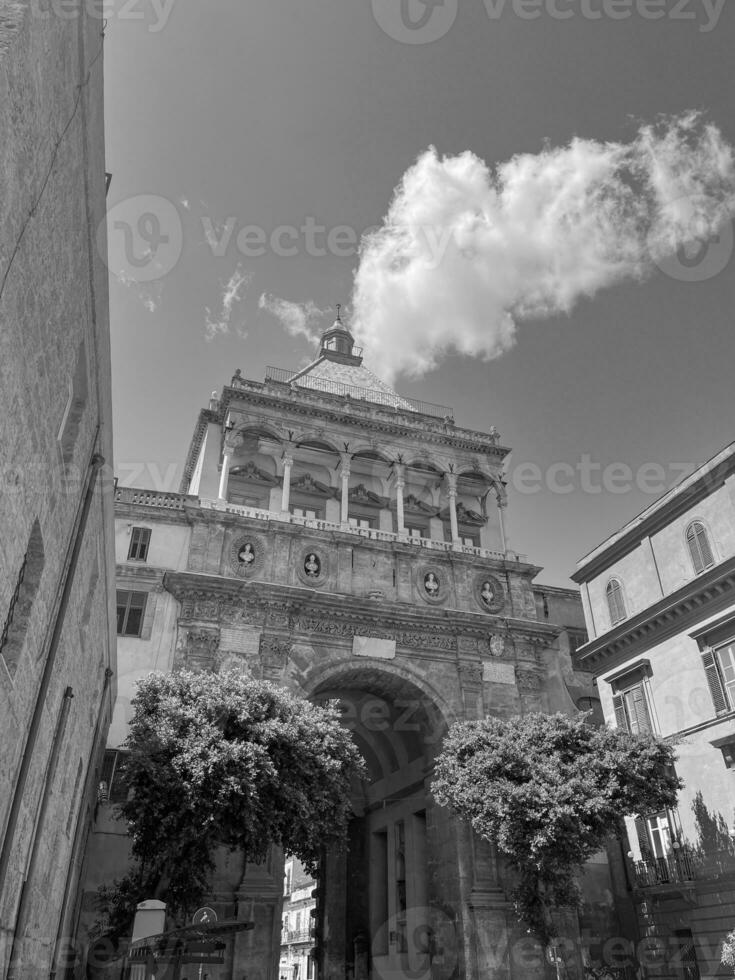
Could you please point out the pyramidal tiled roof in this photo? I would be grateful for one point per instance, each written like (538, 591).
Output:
(325, 371)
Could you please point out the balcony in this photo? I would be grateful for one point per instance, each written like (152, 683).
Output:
(289, 936)
(371, 533)
(675, 868)
(151, 498)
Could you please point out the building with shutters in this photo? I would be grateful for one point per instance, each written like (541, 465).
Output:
(298, 928)
(348, 543)
(57, 639)
(659, 601)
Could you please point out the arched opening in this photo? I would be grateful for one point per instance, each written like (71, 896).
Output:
(374, 914)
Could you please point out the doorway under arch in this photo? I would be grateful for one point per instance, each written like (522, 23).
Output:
(377, 903)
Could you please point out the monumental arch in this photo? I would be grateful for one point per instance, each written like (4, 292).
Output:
(348, 543)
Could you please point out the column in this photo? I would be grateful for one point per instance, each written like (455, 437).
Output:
(286, 493)
(344, 500)
(452, 493)
(224, 472)
(503, 541)
(400, 484)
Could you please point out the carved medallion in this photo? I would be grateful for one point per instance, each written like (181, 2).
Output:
(431, 583)
(312, 567)
(489, 593)
(247, 555)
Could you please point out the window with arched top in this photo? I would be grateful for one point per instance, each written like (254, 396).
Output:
(615, 601)
(699, 547)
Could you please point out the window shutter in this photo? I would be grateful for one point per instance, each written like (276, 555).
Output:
(621, 719)
(615, 602)
(694, 549)
(704, 546)
(644, 842)
(715, 682)
(699, 547)
(635, 700)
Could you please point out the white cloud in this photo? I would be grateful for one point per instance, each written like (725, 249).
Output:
(214, 325)
(464, 253)
(149, 294)
(297, 319)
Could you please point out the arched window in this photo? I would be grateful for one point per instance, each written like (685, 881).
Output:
(615, 602)
(699, 547)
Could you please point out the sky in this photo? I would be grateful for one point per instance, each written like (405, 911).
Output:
(252, 144)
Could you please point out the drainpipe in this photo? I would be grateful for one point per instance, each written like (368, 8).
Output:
(78, 841)
(30, 868)
(70, 565)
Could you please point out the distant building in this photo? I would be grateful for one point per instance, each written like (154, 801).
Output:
(659, 600)
(298, 934)
(57, 642)
(348, 543)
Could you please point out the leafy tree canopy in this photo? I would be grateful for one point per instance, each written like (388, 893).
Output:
(549, 790)
(728, 949)
(217, 759)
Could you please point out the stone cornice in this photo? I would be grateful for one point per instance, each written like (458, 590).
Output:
(660, 514)
(704, 596)
(206, 415)
(359, 613)
(314, 404)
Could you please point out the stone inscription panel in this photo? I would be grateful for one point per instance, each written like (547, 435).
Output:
(373, 646)
(242, 640)
(498, 673)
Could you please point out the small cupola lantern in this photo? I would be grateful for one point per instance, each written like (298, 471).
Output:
(337, 343)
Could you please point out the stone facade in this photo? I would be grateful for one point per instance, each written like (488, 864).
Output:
(57, 645)
(336, 539)
(659, 600)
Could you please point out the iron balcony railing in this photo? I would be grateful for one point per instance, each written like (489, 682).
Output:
(297, 936)
(672, 869)
(374, 395)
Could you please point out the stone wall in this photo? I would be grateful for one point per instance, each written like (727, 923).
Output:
(55, 414)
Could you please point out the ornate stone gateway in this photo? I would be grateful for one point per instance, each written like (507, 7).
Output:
(346, 543)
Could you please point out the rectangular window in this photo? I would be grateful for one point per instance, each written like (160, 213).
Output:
(631, 710)
(140, 538)
(414, 531)
(659, 834)
(130, 609)
(470, 541)
(685, 957)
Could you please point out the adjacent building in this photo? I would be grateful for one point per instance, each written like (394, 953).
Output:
(57, 641)
(659, 601)
(348, 543)
(298, 922)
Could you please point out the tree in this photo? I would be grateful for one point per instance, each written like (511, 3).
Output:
(217, 759)
(728, 950)
(548, 790)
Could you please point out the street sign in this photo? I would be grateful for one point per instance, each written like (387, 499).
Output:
(204, 916)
